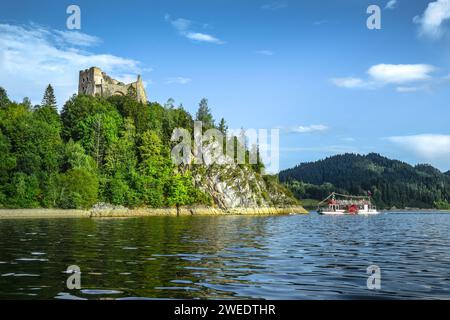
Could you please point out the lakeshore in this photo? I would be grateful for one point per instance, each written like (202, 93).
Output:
(142, 212)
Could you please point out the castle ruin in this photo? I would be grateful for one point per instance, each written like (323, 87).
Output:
(94, 81)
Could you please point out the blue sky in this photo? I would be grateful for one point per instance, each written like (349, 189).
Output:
(311, 68)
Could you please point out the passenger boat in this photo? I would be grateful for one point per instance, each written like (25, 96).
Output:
(341, 204)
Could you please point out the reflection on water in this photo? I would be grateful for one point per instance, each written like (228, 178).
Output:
(276, 257)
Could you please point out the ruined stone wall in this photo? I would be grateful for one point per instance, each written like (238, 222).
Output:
(93, 81)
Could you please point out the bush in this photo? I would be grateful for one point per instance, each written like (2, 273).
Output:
(78, 189)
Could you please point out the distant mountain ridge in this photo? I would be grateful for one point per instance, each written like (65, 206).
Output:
(393, 183)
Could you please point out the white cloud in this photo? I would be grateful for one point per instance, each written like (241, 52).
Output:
(180, 24)
(387, 74)
(275, 5)
(392, 4)
(202, 37)
(308, 129)
(184, 28)
(426, 146)
(178, 80)
(33, 56)
(432, 20)
(265, 52)
(400, 73)
(350, 82)
(78, 38)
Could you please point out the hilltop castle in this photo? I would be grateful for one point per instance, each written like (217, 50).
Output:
(94, 81)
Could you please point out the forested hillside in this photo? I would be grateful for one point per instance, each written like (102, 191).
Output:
(114, 150)
(393, 183)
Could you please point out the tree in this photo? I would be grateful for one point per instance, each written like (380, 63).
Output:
(120, 168)
(204, 115)
(121, 155)
(170, 104)
(27, 103)
(259, 165)
(35, 153)
(36, 144)
(23, 191)
(7, 164)
(183, 119)
(49, 98)
(131, 108)
(78, 189)
(168, 124)
(75, 157)
(157, 112)
(77, 109)
(7, 159)
(49, 115)
(178, 193)
(3, 98)
(151, 146)
(155, 169)
(99, 131)
(48, 110)
(223, 126)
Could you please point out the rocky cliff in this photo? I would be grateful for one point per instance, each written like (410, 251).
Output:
(238, 186)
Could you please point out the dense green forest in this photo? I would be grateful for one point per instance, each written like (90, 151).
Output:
(393, 183)
(113, 150)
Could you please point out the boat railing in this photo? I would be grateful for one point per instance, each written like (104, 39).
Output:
(348, 201)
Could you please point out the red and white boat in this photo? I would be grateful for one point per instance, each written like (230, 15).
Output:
(341, 204)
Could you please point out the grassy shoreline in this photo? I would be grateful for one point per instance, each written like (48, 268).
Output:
(142, 212)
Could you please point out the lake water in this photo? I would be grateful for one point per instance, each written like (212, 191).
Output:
(274, 257)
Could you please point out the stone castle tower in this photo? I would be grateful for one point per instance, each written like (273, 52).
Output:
(94, 81)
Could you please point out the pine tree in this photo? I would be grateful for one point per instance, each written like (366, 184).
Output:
(49, 99)
(170, 104)
(27, 103)
(223, 126)
(3, 98)
(204, 115)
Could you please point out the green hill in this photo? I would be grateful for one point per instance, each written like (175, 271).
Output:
(393, 183)
(118, 151)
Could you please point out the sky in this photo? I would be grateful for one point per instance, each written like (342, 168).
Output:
(312, 69)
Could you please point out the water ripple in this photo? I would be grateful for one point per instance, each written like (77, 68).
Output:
(282, 257)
